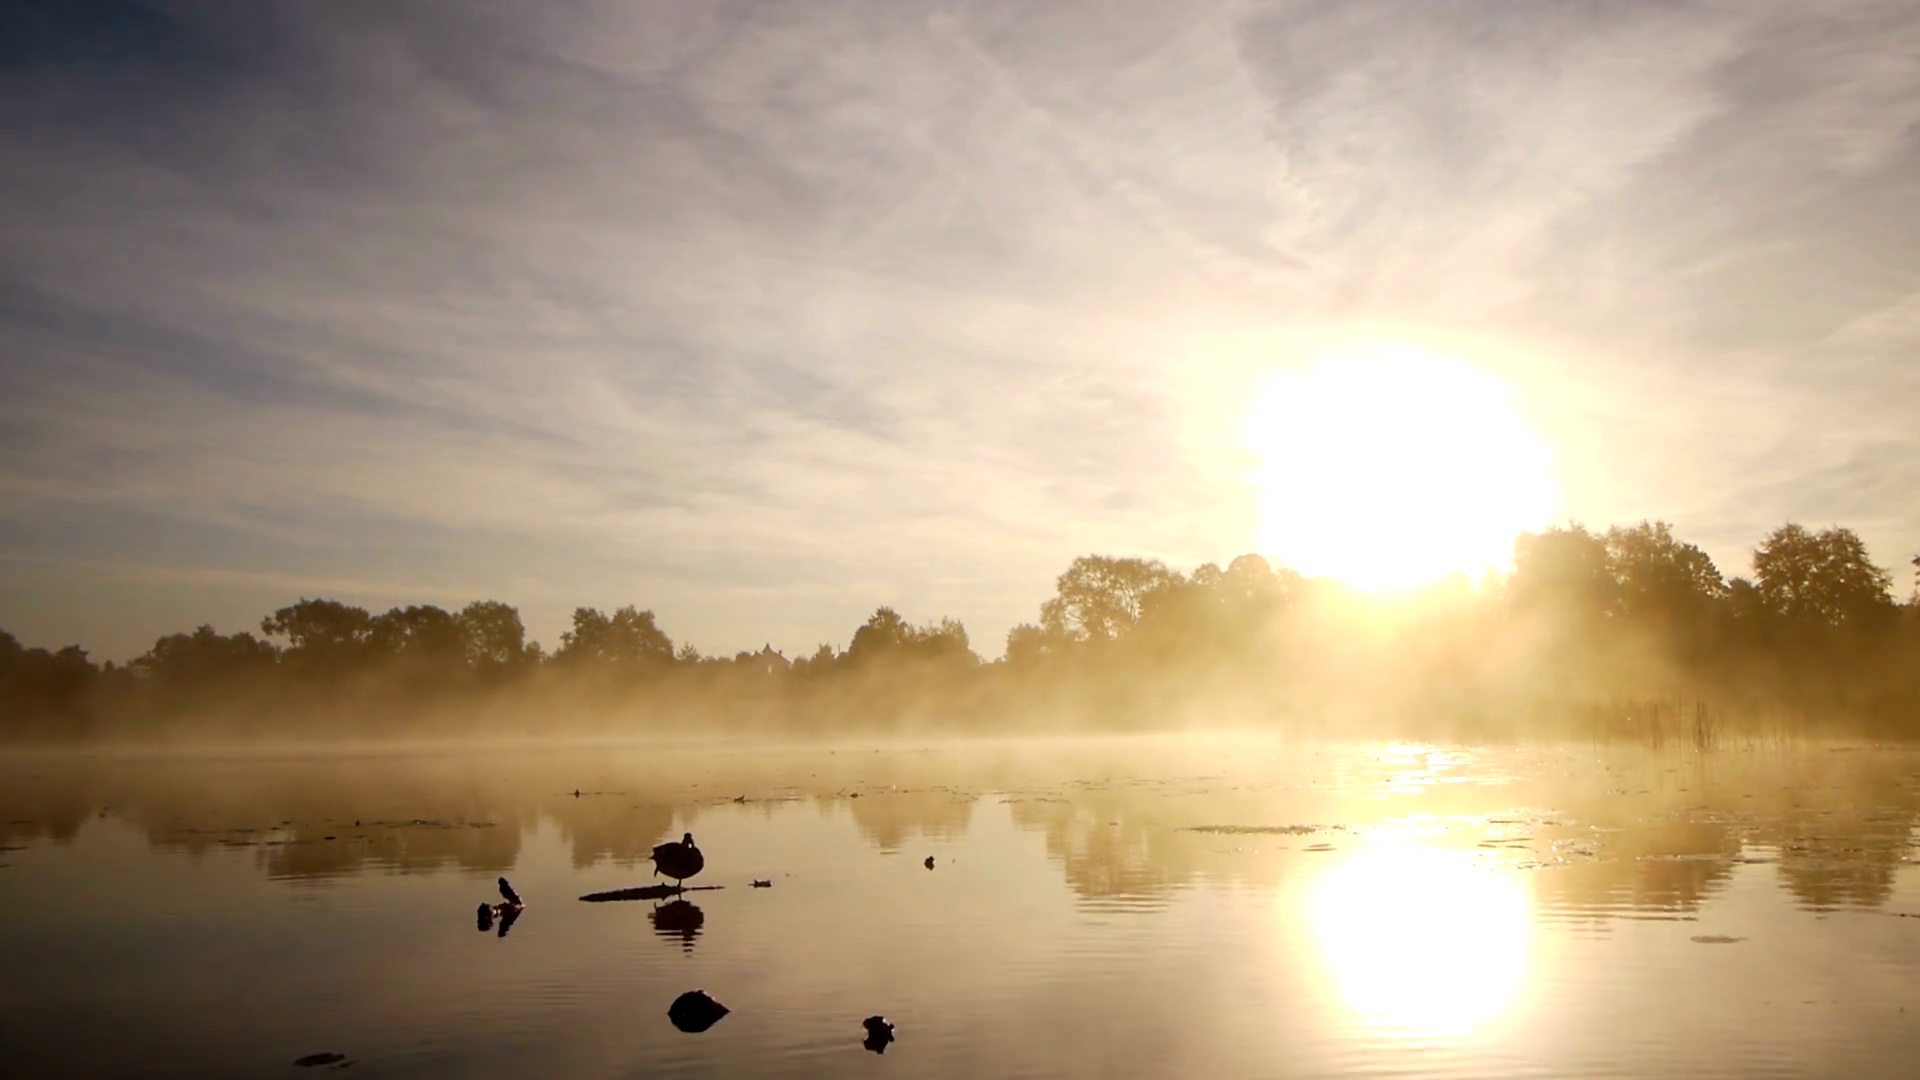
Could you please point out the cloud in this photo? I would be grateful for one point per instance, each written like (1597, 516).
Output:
(764, 315)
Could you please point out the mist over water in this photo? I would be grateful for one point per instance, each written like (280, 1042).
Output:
(1211, 904)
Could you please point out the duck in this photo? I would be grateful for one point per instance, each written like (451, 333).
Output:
(678, 861)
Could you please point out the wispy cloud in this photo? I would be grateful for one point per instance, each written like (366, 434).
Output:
(764, 314)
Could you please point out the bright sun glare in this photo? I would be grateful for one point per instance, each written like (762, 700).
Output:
(1388, 468)
(1422, 942)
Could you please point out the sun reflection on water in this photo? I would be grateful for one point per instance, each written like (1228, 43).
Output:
(1422, 941)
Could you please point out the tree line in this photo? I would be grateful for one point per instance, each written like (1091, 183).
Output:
(1630, 630)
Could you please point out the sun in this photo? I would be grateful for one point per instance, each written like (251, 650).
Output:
(1387, 468)
(1422, 942)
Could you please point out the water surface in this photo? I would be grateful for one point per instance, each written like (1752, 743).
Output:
(1194, 906)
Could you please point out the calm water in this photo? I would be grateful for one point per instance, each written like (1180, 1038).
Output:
(1177, 907)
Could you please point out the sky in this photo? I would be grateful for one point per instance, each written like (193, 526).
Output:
(761, 315)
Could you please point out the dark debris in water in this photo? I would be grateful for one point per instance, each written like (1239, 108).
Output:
(694, 1012)
(311, 1061)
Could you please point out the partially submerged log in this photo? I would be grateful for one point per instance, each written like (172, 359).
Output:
(647, 892)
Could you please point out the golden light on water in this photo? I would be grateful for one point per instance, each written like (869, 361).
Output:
(1391, 467)
(1422, 942)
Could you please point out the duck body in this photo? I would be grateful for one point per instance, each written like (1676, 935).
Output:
(678, 861)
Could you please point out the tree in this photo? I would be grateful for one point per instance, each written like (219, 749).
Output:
(1565, 572)
(420, 633)
(817, 664)
(205, 659)
(324, 636)
(886, 636)
(884, 633)
(629, 639)
(1251, 581)
(1744, 603)
(492, 635)
(1029, 645)
(1101, 598)
(38, 685)
(1820, 579)
(944, 642)
(1659, 581)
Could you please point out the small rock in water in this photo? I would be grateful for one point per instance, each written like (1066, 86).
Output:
(929, 862)
(314, 1060)
(694, 1012)
(762, 883)
(879, 1034)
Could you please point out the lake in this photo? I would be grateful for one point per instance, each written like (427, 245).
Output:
(1191, 906)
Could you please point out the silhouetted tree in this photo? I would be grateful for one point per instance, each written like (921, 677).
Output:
(1029, 645)
(628, 639)
(325, 637)
(205, 661)
(1566, 572)
(493, 636)
(944, 642)
(1625, 623)
(815, 665)
(420, 633)
(1658, 578)
(1100, 598)
(43, 693)
(1823, 578)
(884, 634)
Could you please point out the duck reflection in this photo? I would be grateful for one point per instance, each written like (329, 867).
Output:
(681, 919)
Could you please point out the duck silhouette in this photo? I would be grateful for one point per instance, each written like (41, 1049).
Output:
(678, 861)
